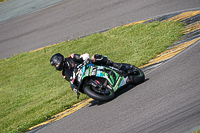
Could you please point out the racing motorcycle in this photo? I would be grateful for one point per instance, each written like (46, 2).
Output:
(101, 82)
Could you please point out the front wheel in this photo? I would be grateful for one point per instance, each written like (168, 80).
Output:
(103, 95)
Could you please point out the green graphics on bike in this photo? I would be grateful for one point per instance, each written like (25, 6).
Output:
(115, 80)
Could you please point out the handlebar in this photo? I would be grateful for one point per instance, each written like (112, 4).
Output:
(85, 62)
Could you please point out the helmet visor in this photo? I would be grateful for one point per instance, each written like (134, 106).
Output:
(56, 64)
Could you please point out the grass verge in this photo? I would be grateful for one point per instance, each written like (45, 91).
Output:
(198, 131)
(32, 91)
(2, 1)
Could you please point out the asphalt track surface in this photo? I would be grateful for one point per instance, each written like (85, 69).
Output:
(15, 8)
(167, 102)
(70, 19)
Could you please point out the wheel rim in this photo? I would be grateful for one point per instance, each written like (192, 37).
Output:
(104, 92)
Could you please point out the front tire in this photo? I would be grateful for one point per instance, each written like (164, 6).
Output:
(103, 96)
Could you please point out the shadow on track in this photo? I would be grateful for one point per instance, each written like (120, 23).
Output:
(117, 93)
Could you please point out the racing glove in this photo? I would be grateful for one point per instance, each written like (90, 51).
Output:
(74, 89)
(85, 56)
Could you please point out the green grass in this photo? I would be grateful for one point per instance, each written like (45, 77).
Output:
(2, 0)
(198, 131)
(31, 91)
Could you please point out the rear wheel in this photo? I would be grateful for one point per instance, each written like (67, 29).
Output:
(100, 94)
(138, 76)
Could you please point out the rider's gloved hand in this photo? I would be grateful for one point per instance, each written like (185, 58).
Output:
(85, 56)
(74, 89)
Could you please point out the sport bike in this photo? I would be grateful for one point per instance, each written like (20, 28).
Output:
(102, 82)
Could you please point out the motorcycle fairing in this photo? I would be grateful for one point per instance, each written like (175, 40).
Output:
(115, 80)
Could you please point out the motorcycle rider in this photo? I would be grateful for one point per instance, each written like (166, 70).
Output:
(67, 65)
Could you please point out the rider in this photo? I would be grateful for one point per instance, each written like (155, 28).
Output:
(67, 64)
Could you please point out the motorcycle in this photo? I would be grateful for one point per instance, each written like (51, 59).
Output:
(101, 82)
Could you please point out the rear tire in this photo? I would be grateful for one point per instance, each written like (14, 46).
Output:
(90, 91)
(139, 77)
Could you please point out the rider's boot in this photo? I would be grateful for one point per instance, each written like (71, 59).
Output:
(111, 63)
(123, 66)
(103, 60)
(117, 65)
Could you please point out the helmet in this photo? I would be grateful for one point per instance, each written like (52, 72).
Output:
(57, 61)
